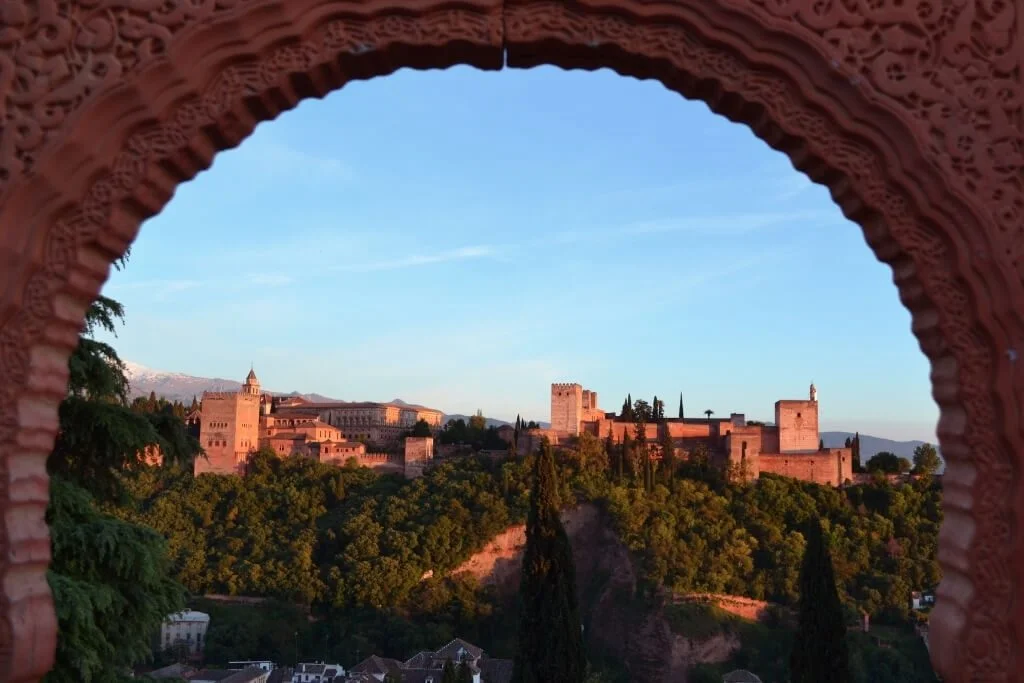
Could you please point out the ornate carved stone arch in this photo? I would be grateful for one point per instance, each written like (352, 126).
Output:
(910, 111)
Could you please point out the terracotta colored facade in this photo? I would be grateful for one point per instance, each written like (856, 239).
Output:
(789, 447)
(572, 405)
(911, 114)
(229, 428)
(381, 424)
(292, 427)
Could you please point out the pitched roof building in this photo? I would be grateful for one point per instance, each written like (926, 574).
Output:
(428, 666)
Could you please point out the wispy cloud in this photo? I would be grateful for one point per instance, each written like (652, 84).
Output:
(272, 157)
(724, 224)
(729, 224)
(415, 260)
(791, 185)
(270, 279)
(163, 288)
(168, 286)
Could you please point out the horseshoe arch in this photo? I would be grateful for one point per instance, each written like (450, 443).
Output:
(909, 111)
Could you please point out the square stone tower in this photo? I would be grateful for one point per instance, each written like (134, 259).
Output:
(798, 426)
(229, 428)
(566, 408)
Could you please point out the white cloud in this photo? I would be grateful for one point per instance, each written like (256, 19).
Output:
(270, 279)
(728, 224)
(791, 185)
(415, 260)
(167, 286)
(277, 159)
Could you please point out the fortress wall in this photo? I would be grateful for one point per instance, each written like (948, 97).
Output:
(830, 467)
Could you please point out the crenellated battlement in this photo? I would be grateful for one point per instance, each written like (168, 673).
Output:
(566, 385)
(380, 457)
(228, 396)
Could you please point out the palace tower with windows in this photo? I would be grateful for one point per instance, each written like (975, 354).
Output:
(229, 428)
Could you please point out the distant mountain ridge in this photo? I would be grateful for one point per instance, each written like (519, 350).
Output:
(489, 421)
(870, 445)
(176, 386)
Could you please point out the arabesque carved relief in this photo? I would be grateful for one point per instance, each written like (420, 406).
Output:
(910, 111)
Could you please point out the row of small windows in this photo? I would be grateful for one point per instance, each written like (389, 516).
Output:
(221, 442)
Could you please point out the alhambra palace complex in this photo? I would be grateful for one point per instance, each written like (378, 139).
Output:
(233, 425)
(790, 447)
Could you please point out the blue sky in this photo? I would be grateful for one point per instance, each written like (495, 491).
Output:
(462, 239)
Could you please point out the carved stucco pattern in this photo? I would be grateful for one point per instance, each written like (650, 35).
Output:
(53, 56)
(954, 67)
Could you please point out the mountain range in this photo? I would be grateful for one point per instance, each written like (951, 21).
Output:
(869, 445)
(176, 386)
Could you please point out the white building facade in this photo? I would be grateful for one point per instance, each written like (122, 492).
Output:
(185, 629)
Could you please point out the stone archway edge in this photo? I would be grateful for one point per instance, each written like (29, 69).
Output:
(910, 112)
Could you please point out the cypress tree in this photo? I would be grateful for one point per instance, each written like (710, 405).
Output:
(463, 674)
(448, 674)
(680, 405)
(626, 453)
(819, 648)
(550, 643)
(609, 447)
(668, 455)
(654, 409)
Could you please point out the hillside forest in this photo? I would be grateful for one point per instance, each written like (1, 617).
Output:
(348, 562)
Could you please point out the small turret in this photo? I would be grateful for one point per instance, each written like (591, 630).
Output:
(814, 393)
(252, 385)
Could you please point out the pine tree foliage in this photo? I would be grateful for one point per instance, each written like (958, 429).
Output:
(819, 649)
(111, 588)
(550, 643)
(111, 579)
(99, 434)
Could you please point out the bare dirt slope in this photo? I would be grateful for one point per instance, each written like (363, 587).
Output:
(631, 628)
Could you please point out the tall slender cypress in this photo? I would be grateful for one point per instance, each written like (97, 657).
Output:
(819, 648)
(680, 405)
(448, 674)
(550, 646)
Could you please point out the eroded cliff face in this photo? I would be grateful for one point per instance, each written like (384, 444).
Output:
(617, 621)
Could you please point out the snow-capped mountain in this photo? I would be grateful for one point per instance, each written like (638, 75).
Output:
(181, 387)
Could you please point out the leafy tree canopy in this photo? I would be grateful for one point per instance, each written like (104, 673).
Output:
(926, 460)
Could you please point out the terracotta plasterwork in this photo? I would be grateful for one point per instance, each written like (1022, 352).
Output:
(909, 111)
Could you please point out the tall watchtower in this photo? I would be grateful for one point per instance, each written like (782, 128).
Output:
(229, 428)
(566, 408)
